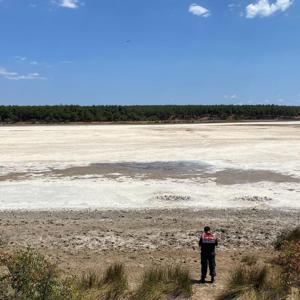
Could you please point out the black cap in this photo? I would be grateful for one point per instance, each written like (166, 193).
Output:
(206, 228)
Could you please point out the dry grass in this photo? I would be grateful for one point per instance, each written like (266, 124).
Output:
(29, 275)
(249, 260)
(255, 282)
(115, 283)
(112, 285)
(161, 282)
(89, 280)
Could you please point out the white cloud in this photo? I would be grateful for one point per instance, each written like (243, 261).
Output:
(24, 59)
(16, 76)
(68, 3)
(21, 58)
(232, 6)
(198, 10)
(4, 72)
(263, 8)
(233, 96)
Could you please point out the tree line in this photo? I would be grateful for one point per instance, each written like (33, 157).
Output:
(144, 113)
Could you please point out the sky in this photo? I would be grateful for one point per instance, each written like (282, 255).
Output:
(149, 52)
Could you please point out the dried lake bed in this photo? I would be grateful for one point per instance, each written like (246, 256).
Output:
(237, 165)
(89, 196)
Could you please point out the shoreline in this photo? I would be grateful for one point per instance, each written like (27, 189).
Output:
(242, 121)
(153, 210)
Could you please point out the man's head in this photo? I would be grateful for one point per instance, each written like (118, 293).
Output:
(206, 229)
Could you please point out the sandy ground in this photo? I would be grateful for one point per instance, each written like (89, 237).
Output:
(87, 240)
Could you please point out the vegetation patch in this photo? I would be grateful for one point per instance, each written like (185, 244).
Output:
(144, 113)
(279, 279)
(161, 282)
(289, 261)
(28, 275)
(286, 236)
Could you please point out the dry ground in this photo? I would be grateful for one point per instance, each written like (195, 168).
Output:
(83, 240)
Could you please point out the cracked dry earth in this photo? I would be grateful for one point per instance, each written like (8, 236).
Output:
(81, 240)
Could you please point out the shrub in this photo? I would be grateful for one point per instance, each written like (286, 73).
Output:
(30, 276)
(164, 281)
(287, 236)
(289, 260)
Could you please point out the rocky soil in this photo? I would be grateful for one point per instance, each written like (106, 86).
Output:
(81, 240)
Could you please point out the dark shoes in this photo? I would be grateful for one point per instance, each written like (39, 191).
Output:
(202, 280)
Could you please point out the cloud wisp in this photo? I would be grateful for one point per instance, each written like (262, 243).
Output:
(233, 96)
(199, 11)
(263, 8)
(72, 4)
(16, 76)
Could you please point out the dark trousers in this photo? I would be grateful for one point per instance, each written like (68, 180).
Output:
(210, 260)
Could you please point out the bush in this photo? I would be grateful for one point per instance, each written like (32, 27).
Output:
(164, 281)
(287, 236)
(289, 260)
(278, 280)
(30, 276)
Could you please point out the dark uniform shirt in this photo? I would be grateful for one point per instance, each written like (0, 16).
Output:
(208, 243)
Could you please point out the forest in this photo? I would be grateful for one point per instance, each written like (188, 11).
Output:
(144, 113)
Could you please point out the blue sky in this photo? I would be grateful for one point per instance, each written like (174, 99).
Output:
(149, 52)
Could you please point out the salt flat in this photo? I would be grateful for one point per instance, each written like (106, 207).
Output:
(150, 166)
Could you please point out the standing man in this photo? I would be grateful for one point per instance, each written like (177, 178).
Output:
(208, 243)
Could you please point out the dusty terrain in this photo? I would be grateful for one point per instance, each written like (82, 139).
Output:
(88, 196)
(83, 240)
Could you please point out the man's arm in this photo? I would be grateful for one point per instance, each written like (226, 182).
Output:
(200, 242)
